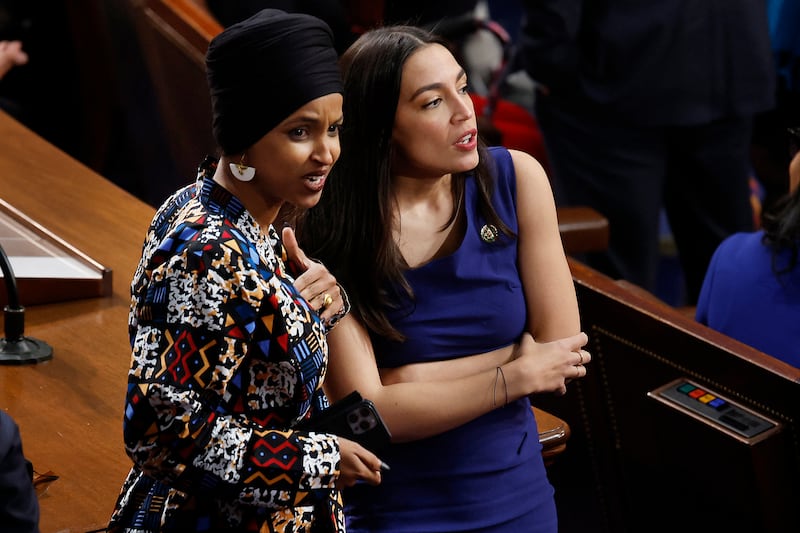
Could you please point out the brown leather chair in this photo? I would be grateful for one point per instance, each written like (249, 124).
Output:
(553, 434)
(582, 229)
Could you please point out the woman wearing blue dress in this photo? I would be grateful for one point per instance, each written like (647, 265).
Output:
(463, 300)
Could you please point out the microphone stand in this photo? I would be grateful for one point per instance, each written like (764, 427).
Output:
(16, 348)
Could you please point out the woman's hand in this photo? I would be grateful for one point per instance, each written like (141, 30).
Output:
(357, 464)
(549, 366)
(316, 284)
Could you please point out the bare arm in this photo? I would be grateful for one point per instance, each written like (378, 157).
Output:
(546, 278)
(449, 368)
(419, 409)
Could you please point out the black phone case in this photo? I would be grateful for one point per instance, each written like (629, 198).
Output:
(353, 417)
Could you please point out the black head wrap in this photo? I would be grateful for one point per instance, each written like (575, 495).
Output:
(265, 68)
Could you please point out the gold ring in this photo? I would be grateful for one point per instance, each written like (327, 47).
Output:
(580, 354)
(326, 300)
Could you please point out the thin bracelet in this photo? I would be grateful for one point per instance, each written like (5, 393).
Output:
(497, 375)
(332, 321)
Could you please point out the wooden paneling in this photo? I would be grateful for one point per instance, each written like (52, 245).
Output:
(634, 464)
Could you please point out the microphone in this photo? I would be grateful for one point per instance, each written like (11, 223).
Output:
(16, 348)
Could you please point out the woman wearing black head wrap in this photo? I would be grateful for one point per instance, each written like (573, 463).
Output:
(228, 337)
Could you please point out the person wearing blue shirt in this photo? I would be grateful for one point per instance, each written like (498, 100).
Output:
(751, 290)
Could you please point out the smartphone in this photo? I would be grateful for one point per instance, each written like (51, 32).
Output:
(353, 417)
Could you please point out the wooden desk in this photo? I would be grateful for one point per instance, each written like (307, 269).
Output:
(69, 409)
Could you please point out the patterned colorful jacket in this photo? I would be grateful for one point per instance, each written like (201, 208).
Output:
(226, 358)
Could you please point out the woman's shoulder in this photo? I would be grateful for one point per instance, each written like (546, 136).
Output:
(523, 161)
(741, 245)
(512, 162)
(740, 259)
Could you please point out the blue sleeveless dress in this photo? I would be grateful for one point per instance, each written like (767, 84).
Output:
(487, 475)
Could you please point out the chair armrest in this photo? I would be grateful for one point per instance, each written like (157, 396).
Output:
(553, 434)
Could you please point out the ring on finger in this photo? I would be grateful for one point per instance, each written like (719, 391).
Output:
(328, 300)
(580, 354)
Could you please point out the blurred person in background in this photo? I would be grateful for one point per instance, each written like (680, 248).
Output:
(751, 291)
(650, 105)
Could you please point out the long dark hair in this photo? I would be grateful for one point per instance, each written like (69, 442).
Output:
(350, 229)
(782, 232)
